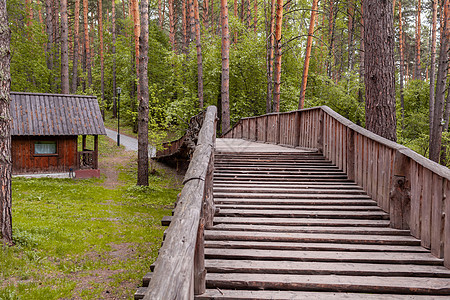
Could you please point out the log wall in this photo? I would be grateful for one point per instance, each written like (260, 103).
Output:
(410, 187)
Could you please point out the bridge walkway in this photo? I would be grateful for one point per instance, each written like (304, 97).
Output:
(291, 225)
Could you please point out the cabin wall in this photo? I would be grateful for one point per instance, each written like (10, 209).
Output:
(24, 159)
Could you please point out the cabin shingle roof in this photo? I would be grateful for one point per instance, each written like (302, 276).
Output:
(55, 114)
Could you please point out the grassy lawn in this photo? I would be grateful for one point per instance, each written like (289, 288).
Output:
(86, 239)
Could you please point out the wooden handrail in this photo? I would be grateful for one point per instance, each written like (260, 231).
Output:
(412, 188)
(179, 270)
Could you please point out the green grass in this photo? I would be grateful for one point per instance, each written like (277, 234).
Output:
(81, 238)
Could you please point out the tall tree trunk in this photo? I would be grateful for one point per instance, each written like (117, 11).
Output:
(433, 62)
(402, 59)
(49, 29)
(137, 31)
(184, 25)
(249, 14)
(278, 53)
(75, 46)
(102, 69)
(86, 42)
(143, 98)
(114, 57)
(235, 11)
(361, 68)
(199, 55)
(351, 32)
(225, 99)
(301, 103)
(5, 128)
(270, 39)
(171, 25)
(437, 126)
(64, 49)
(418, 34)
(379, 68)
(205, 14)
(192, 20)
(331, 33)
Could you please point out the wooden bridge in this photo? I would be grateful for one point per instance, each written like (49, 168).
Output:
(305, 205)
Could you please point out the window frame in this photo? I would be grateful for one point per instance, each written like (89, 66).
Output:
(45, 154)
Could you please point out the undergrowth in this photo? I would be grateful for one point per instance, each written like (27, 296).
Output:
(77, 239)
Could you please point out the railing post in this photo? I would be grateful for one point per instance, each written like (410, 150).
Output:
(278, 136)
(400, 192)
(199, 260)
(266, 127)
(297, 129)
(351, 154)
(320, 136)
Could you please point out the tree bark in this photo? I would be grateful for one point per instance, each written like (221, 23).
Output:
(235, 11)
(301, 103)
(49, 30)
(379, 68)
(29, 12)
(433, 62)
(86, 42)
(361, 68)
(278, 54)
(418, 34)
(172, 25)
(184, 25)
(137, 31)
(351, 33)
(160, 15)
(102, 69)
(64, 49)
(114, 57)
(436, 132)
(5, 128)
(402, 59)
(192, 20)
(225, 99)
(143, 98)
(199, 55)
(255, 16)
(76, 46)
(270, 39)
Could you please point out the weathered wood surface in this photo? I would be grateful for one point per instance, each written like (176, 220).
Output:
(304, 237)
(410, 187)
(174, 276)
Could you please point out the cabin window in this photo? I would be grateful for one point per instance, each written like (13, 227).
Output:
(45, 148)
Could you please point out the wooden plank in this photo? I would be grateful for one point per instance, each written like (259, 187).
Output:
(447, 224)
(303, 191)
(437, 226)
(282, 202)
(416, 191)
(311, 237)
(302, 221)
(371, 284)
(296, 246)
(324, 256)
(312, 229)
(425, 235)
(289, 196)
(297, 207)
(283, 295)
(324, 268)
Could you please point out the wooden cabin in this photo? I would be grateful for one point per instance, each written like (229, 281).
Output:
(45, 130)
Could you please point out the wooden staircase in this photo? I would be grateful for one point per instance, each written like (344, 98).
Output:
(290, 225)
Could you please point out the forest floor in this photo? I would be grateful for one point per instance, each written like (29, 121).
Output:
(86, 239)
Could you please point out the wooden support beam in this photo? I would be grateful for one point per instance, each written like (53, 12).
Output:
(351, 154)
(95, 152)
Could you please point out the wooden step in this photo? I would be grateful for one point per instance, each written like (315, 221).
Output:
(310, 237)
(324, 256)
(303, 214)
(324, 268)
(317, 202)
(273, 190)
(300, 175)
(366, 284)
(302, 180)
(279, 206)
(301, 221)
(304, 195)
(312, 229)
(267, 185)
(313, 246)
(292, 167)
(216, 293)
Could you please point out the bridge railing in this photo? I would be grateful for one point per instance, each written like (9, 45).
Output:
(179, 269)
(413, 189)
